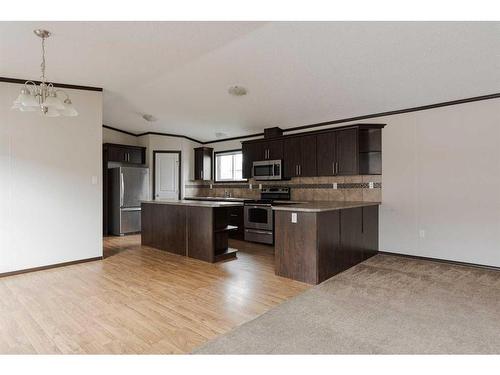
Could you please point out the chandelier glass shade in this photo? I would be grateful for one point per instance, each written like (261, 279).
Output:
(44, 97)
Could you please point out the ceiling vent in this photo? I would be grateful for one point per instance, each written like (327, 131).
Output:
(237, 90)
(149, 118)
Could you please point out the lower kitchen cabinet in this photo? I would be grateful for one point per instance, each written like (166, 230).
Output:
(236, 219)
(321, 244)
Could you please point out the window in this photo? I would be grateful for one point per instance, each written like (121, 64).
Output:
(229, 166)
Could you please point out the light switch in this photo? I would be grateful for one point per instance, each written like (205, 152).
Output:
(294, 217)
(94, 180)
(260, 186)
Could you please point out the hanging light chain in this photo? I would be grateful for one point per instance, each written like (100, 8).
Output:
(42, 65)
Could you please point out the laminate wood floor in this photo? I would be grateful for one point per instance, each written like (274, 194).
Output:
(137, 300)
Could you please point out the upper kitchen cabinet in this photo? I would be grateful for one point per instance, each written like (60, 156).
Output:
(337, 153)
(251, 152)
(299, 156)
(353, 151)
(346, 145)
(258, 151)
(273, 150)
(349, 150)
(203, 163)
(125, 153)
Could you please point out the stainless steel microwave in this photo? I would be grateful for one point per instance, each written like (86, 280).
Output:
(267, 170)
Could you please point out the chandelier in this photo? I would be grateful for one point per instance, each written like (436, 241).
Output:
(44, 97)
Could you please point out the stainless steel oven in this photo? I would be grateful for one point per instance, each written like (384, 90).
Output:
(267, 170)
(259, 215)
(259, 223)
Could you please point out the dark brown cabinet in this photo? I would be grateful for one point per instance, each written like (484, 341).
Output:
(319, 245)
(203, 163)
(350, 150)
(125, 154)
(236, 219)
(251, 152)
(337, 153)
(299, 156)
(346, 145)
(273, 150)
(326, 152)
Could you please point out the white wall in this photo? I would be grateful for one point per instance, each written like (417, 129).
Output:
(50, 212)
(441, 174)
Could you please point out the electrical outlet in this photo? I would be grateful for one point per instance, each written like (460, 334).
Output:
(260, 186)
(335, 186)
(211, 186)
(421, 233)
(370, 185)
(294, 217)
(250, 186)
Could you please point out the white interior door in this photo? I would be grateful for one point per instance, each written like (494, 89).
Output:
(166, 175)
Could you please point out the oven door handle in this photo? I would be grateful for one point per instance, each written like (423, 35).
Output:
(256, 231)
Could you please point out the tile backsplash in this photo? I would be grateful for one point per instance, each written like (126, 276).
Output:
(335, 188)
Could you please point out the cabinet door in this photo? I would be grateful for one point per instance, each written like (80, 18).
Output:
(351, 237)
(202, 163)
(198, 164)
(325, 153)
(251, 152)
(307, 161)
(291, 157)
(135, 156)
(117, 154)
(274, 150)
(347, 152)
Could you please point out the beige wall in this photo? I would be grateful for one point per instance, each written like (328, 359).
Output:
(113, 136)
(50, 190)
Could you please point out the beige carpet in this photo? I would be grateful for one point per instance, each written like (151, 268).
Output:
(387, 304)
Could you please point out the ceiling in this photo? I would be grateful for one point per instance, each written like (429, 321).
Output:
(296, 73)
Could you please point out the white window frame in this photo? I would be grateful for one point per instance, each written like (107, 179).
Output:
(216, 165)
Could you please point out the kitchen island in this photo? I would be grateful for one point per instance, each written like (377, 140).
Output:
(316, 240)
(196, 229)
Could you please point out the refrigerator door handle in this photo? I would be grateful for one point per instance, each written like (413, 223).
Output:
(122, 188)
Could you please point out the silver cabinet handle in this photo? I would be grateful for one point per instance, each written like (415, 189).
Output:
(333, 168)
(336, 167)
(201, 174)
(300, 170)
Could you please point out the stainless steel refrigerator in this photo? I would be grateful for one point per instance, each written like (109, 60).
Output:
(128, 186)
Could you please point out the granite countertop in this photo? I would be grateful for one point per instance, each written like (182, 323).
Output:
(195, 203)
(322, 206)
(220, 199)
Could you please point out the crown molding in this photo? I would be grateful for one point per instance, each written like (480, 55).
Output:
(326, 123)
